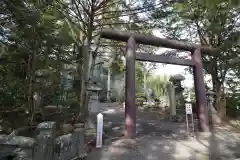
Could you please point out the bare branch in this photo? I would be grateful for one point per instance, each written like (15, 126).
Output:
(108, 5)
(83, 6)
(101, 5)
(79, 13)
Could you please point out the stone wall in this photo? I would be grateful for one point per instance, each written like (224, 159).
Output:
(46, 145)
(16, 145)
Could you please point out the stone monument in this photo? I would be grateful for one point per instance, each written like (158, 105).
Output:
(176, 82)
(93, 103)
(172, 101)
(94, 107)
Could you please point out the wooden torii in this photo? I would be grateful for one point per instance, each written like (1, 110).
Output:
(131, 56)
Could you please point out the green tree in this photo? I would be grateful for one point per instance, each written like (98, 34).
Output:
(33, 52)
(159, 84)
(212, 25)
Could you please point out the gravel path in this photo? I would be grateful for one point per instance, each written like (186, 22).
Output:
(159, 139)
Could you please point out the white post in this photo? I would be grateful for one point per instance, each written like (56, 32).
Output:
(99, 130)
(123, 105)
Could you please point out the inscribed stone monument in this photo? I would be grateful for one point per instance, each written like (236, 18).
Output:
(172, 100)
(176, 81)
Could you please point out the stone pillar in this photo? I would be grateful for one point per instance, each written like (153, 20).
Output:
(172, 100)
(79, 133)
(200, 91)
(45, 141)
(130, 90)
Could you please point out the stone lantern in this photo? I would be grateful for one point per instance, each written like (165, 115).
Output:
(213, 117)
(176, 82)
(93, 103)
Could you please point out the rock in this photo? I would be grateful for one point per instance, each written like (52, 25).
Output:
(17, 154)
(22, 154)
(25, 142)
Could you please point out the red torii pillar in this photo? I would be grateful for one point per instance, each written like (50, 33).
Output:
(200, 92)
(130, 89)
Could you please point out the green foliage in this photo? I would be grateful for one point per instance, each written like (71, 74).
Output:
(117, 67)
(233, 106)
(41, 40)
(139, 74)
(212, 23)
(73, 103)
(140, 95)
(159, 84)
(33, 51)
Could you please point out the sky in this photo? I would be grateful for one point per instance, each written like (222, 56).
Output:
(169, 69)
(173, 70)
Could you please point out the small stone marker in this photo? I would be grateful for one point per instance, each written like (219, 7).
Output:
(99, 130)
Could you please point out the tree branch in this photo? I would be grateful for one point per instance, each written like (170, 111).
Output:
(79, 13)
(83, 6)
(202, 39)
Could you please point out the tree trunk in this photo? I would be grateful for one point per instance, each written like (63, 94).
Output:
(84, 81)
(30, 74)
(88, 62)
(219, 102)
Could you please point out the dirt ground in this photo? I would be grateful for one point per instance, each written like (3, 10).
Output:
(160, 139)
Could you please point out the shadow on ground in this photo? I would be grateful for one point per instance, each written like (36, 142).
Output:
(160, 139)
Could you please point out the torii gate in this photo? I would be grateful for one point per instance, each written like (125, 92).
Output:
(132, 56)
